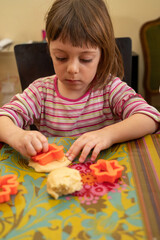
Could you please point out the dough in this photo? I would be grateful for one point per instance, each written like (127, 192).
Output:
(64, 162)
(63, 181)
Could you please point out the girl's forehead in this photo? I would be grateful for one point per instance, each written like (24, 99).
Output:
(66, 45)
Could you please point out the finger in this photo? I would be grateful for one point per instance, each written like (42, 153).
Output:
(30, 150)
(37, 145)
(85, 153)
(86, 150)
(44, 142)
(74, 149)
(95, 152)
(23, 151)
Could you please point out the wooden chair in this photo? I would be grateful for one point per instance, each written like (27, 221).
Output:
(33, 60)
(150, 41)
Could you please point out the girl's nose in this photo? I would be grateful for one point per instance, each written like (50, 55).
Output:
(73, 67)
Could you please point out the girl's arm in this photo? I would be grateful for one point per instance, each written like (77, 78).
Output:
(136, 126)
(28, 143)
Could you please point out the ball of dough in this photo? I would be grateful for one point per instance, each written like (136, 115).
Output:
(63, 181)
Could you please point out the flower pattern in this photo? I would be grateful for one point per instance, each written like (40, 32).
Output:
(92, 191)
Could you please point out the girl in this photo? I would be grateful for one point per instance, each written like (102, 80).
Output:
(86, 97)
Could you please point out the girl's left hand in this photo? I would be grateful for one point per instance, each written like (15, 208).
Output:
(96, 140)
(133, 127)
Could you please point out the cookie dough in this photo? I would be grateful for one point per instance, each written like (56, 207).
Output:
(63, 181)
(64, 162)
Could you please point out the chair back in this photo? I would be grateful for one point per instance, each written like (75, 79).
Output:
(34, 61)
(150, 41)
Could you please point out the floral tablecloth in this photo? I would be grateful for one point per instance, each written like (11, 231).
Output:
(127, 209)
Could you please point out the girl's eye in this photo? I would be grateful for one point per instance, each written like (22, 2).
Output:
(86, 60)
(60, 59)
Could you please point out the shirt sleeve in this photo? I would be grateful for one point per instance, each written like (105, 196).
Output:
(24, 108)
(124, 102)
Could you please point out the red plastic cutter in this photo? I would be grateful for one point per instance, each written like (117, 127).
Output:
(8, 186)
(106, 171)
(54, 153)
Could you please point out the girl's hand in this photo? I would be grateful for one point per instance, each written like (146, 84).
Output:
(96, 140)
(29, 143)
(136, 126)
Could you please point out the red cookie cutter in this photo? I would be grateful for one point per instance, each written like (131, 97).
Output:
(54, 153)
(106, 171)
(8, 186)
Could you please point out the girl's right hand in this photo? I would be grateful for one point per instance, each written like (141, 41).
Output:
(28, 143)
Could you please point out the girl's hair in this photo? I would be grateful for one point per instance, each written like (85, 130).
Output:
(87, 22)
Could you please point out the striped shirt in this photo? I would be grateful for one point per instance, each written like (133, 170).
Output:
(54, 115)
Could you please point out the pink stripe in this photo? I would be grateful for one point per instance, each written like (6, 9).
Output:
(46, 87)
(61, 109)
(131, 108)
(75, 116)
(140, 110)
(72, 103)
(119, 93)
(19, 106)
(78, 122)
(152, 164)
(35, 96)
(68, 130)
(64, 104)
(108, 113)
(15, 115)
(131, 104)
(58, 135)
(141, 196)
(31, 100)
(116, 86)
(45, 81)
(23, 114)
(28, 104)
(15, 104)
(98, 105)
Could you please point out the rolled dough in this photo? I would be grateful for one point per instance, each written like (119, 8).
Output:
(64, 162)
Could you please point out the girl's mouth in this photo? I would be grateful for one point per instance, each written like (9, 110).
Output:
(72, 81)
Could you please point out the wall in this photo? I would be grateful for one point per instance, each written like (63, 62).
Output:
(128, 17)
(9, 79)
(23, 21)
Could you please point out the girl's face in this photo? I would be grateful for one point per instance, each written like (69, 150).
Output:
(75, 67)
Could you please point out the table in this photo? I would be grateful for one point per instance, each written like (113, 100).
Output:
(127, 209)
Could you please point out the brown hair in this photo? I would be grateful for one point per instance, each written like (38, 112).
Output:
(87, 21)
